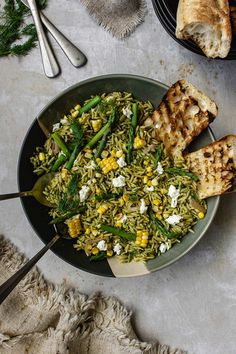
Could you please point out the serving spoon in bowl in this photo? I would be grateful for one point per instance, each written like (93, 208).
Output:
(36, 192)
(7, 287)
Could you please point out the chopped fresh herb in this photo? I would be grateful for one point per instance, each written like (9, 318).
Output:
(118, 232)
(72, 188)
(98, 257)
(107, 196)
(158, 155)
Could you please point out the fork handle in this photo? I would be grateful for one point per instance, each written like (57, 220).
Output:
(50, 65)
(14, 195)
(74, 54)
(7, 287)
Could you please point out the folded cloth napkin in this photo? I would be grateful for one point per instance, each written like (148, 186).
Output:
(120, 17)
(39, 318)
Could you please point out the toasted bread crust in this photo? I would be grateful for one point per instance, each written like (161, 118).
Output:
(207, 23)
(215, 165)
(181, 116)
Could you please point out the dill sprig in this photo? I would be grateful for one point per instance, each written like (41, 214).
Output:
(13, 28)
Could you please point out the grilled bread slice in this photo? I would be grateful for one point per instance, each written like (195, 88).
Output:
(215, 165)
(181, 116)
(207, 23)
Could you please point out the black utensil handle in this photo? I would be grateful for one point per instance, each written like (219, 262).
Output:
(7, 287)
(13, 195)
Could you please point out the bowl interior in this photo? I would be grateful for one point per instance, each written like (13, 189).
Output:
(142, 88)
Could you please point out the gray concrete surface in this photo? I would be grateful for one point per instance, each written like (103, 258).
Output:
(191, 304)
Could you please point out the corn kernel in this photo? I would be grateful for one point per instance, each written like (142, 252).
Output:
(143, 244)
(149, 183)
(109, 253)
(149, 174)
(98, 190)
(201, 215)
(145, 233)
(145, 179)
(121, 201)
(126, 198)
(88, 155)
(95, 251)
(95, 232)
(156, 202)
(108, 164)
(41, 156)
(74, 226)
(138, 242)
(146, 163)
(139, 143)
(158, 216)
(113, 153)
(88, 248)
(87, 231)
(74, 114)
(163, 190)
(119, 153)
(77, 107)
(118, 223)
(139, 233)
(149, 169)
(102, 209)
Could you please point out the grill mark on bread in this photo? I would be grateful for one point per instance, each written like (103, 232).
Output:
(180, 116)
(215, 165)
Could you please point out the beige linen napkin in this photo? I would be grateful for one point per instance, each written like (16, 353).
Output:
(39, 318)
(120, 17)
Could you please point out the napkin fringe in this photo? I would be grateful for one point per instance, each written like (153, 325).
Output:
(70, 322)
(118, 27)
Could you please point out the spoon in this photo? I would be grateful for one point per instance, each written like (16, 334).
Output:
(36, 192)
(7, 287)
(74, 54)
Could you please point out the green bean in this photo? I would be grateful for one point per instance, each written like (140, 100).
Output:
(92, 103)
(118, 232)
(97, 137)
(59, 161)
(134, 122)
(108, 131)
(61, 144)
(181, 172)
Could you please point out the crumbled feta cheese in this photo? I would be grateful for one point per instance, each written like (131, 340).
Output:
(64, 120)
(173, 193)
(118, 181)
(93, 165)
(55, 127)
(163, 248)
(84, 193)
(117, 248)
(143, 207)
(123, 219)
(121, 162)
(102, 246)
(150, 189)
(159, 168)
(127, 112)
(174, 219)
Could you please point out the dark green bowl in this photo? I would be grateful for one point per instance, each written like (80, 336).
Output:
(142, 88)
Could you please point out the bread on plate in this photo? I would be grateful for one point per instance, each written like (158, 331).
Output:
(207, 23)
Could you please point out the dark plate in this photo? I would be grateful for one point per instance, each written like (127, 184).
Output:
(142, 88)
(166, 12)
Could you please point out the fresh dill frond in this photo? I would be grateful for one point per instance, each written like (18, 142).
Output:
(13, 28)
